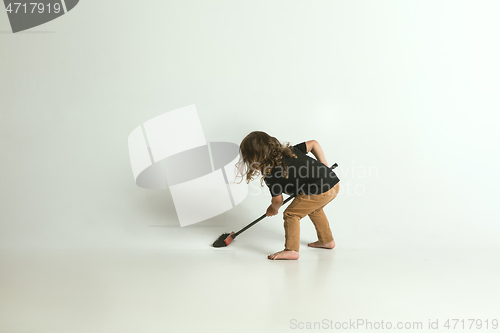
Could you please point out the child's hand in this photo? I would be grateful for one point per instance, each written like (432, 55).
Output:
(271, 211)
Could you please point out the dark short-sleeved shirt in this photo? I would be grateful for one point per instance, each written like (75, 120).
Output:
(305, 175)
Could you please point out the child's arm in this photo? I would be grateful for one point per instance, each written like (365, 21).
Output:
(276, 203)
(314, 147)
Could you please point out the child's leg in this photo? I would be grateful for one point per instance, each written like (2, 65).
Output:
(291, 222)
(302, 206)
(318, 218)
(320, 221)
(292, 216)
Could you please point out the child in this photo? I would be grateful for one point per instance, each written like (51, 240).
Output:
(287, 169)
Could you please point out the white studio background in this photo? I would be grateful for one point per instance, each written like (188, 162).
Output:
(402, 94)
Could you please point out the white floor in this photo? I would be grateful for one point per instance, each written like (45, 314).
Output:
(197, 288)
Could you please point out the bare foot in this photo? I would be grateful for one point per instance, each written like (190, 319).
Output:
(285, 254)
(330, 245)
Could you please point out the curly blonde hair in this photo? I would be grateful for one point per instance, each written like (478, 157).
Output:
(259, 153)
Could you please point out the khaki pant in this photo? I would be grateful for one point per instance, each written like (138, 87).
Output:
(311, 205)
